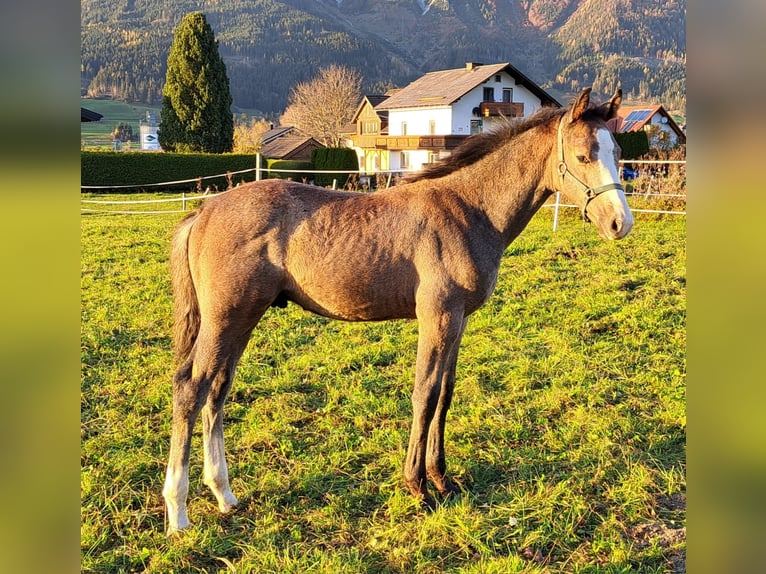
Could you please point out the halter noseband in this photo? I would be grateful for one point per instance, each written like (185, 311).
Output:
(590, 192)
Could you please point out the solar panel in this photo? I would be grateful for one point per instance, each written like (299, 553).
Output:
(638, 115)
(627, 126)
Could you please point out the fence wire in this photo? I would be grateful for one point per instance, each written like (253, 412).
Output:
(184, 199)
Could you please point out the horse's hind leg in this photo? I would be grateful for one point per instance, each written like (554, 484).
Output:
(189, 392)
(216, 472)
(201, 385)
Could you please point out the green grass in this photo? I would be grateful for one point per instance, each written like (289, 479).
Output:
(99, 134)
(567, 430)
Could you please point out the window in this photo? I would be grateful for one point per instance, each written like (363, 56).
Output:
(404, 128)
(507, 95)
(497, 78)
(431, 127)
(476, 126)
(489, 94)
(404, 160)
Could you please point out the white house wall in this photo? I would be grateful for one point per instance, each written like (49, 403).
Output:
(672, 135)
(419, 120)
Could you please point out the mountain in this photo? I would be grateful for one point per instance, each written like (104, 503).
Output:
(271, 45)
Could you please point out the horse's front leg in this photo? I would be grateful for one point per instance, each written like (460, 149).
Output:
(438, 338)
(436, 465)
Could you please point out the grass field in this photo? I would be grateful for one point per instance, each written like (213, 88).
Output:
(99, 134)
(567, 430)
(94, 135)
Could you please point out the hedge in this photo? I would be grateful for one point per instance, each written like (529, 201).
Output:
(142, 168)
(333, 159)
(289, 164)
(633, 144)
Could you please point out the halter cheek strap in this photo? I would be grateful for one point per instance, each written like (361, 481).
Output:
(590, 192)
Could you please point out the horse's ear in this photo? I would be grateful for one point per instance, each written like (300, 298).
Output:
(580, 105)
(609, 109)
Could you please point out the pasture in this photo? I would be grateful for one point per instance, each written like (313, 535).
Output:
(567, 430)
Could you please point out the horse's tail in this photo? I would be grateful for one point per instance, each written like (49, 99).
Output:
(186, 318)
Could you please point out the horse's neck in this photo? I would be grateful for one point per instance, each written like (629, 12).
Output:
(509, 184)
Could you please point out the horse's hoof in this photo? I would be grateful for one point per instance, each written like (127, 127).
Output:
(445, 487)
(173, 532)
(428, 503)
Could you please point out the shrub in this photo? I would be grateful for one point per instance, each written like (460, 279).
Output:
(633, 144)
(288, 164)
(334, 159)
(140, 169)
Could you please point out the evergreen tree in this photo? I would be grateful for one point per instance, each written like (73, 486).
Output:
(196, 102)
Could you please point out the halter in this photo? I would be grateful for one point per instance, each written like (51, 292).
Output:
(590, 192)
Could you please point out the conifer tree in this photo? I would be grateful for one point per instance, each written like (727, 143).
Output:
(196, 101)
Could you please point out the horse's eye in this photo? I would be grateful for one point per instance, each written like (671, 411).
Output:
(582, 159)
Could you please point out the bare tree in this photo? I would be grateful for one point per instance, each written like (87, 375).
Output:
(248, 134)
(321, 107)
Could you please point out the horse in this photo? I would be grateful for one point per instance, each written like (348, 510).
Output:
(427, 249)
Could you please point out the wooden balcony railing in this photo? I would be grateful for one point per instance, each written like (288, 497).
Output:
(505, 109)
(435, 142)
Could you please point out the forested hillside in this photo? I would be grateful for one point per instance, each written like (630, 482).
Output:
(271, 45)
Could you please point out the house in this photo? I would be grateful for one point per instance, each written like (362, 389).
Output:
(367, 124)
(424, 121)
(663, 131)
(286, 143)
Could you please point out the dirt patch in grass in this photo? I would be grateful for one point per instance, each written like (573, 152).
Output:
(666, 537)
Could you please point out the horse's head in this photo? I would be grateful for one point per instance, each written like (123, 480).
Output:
(586, 165)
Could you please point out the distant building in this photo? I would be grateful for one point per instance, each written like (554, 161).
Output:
(663, 131)
(149, 133)
(424, 121)
(284, 143)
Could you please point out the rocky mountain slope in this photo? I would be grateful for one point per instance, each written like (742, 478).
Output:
(271, 45)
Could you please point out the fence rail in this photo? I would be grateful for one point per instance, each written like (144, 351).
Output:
(185, 198)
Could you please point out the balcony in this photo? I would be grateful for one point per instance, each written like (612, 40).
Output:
(435, 143)
(501, 109)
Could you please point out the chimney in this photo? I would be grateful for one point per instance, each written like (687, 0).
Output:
(471, 66)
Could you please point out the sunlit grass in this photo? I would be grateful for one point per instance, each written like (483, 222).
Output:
(567, 429)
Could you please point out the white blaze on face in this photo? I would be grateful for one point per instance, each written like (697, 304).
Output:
(607, 167)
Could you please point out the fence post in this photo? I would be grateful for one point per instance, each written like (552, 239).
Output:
(556, 211)
(183, 201)
(258, 166)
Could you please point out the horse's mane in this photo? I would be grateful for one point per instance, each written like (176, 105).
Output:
(477, 146)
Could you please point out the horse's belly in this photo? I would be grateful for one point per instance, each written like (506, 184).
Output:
(354, 300)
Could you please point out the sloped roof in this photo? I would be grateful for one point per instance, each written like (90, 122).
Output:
(275, 133)
(445, 87)
(87, 115)
(289, 147)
